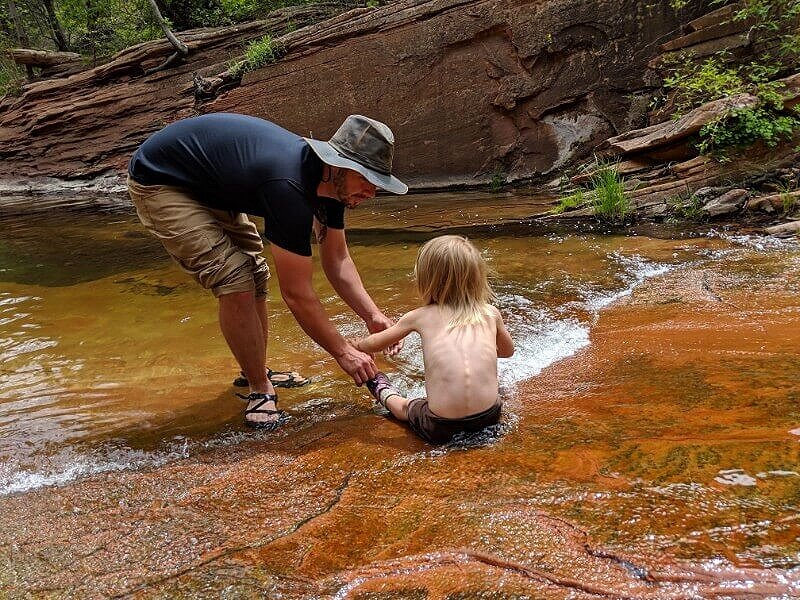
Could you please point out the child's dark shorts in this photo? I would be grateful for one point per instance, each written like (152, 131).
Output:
(438, 430)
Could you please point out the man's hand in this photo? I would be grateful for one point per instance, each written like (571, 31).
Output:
(357, 364)
(379, 323)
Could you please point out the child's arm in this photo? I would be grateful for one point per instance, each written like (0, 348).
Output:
(505, 345)
(383, 339)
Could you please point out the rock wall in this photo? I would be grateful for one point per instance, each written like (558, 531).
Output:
(472, 88)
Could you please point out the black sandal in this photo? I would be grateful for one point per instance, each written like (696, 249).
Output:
(288, 379)
(268, 425)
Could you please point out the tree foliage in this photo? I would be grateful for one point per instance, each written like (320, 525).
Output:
(99, 28)
(774, 28)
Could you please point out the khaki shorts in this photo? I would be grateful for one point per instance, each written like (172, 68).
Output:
(222, 251)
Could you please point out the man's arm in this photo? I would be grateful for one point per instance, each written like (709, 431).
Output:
(294, 277)
(342, 273)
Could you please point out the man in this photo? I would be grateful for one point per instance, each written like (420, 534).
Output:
(194, 182)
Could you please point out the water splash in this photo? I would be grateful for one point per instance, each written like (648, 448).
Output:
(635, 270)
(543, 336)
(761, 243)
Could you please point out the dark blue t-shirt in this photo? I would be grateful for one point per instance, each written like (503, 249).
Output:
(242, 164)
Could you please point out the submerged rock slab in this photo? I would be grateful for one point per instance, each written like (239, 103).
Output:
(562, 503)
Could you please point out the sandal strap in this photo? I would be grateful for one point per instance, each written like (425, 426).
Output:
(263, 411)
(264, 399)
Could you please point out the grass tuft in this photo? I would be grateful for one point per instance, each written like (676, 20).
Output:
(609, 199)
(258, 53)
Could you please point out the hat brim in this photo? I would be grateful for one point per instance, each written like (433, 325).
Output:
(329, 155)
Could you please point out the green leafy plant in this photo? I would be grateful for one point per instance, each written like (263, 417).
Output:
(743, 127)
(774, 24)
(686, 207)
(258, 53)
(788, 197)
(497, 182)
(789, 203)
(12, 78)
(570, 201)
(609, 199)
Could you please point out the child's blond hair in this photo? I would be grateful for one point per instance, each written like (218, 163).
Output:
(451, 272)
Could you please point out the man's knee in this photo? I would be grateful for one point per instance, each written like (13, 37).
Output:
(234, 273)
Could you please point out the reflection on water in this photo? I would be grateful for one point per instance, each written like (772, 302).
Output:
(112, 359)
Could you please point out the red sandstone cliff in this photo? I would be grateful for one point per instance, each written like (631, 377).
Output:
(471, 87)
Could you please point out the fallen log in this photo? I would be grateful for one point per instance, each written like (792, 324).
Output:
(41, 58)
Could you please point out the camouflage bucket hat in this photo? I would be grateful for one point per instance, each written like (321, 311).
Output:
(364, 145)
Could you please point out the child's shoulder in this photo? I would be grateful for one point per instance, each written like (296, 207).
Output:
(420, 316)
(417, 313)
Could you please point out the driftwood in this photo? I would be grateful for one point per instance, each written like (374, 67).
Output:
(41, 58)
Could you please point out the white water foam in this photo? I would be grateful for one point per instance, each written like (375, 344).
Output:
(114, 459)
(761, 243)
(635, 270)
(69, 465)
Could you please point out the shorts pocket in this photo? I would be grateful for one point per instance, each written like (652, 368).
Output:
(191, 250)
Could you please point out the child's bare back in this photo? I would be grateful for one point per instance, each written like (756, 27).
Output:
(462, 337)
(460, 362)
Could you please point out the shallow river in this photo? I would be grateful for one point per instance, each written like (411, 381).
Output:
(111, 358)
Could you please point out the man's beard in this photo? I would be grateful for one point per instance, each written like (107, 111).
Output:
(341, 191)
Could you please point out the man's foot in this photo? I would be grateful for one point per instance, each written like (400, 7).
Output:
(381, 389)
(284, 379)
(262, 411)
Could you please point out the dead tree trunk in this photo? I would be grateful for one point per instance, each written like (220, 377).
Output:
(22, 35)
(180, 48)
(55, 25)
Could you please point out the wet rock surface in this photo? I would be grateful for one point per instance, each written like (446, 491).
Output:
(357, 507)
(729, 202)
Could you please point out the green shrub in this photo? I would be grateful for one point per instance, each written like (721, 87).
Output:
(258, 53)
(788, 199)
(569, 202)
(609, 199)
(100, 29)
(743, 127)
(12, 77)
(688, 207)
(789, 202)
(692, 83)
(498, 181)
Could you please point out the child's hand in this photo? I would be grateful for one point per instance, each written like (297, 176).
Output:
(394, 348)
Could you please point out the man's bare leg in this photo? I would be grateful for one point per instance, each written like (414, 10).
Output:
(244, 330)
(280, 377)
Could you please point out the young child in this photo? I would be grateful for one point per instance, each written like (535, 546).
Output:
(462, 336)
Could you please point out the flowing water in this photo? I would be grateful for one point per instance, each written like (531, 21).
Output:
(111, 360)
